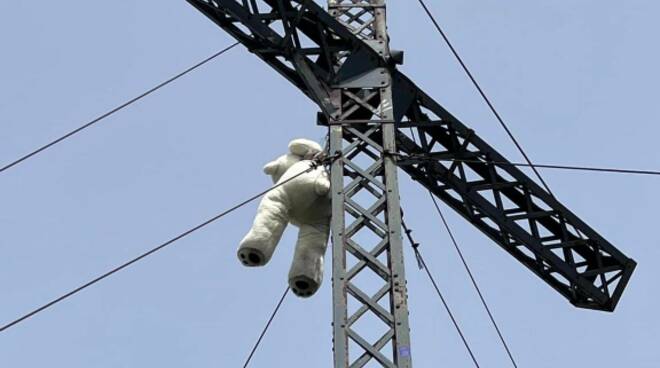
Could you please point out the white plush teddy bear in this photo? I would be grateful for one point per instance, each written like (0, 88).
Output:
(304, 202)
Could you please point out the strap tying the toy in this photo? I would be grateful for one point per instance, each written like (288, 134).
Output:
(322, 158)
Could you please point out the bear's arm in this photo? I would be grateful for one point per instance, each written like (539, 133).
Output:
(271, 168)
(322, 184)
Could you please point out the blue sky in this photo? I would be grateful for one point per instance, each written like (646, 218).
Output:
(577, 82)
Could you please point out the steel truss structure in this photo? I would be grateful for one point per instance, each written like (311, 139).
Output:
(379, 118)
(366, 216)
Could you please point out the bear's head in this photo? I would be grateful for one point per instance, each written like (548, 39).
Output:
(299, 149)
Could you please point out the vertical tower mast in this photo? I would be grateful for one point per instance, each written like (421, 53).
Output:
(370, 319)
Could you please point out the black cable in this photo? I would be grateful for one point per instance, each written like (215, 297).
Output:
(474, 281)
(613, 170)
(467, 268)
(263, 333)
(420, 259)
(116, 109)
(483, 95)
(422, 265)
(562, 167)
(146, 254)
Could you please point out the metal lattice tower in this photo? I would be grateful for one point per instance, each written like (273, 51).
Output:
(341, 60)
(366, 216)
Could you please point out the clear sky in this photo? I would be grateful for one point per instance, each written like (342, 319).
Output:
(576, 80)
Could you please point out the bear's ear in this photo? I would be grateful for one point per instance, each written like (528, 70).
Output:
(304, 148)
(271, 168)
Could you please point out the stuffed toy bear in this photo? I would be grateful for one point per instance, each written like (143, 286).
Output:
(305, 203)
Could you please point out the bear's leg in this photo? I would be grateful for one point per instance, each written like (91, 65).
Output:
(258, 245)
(306, 272)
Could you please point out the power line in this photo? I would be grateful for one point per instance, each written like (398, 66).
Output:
(423, 265)
(474, 281)
(451, 315)
(152, 251)
(565, 167)
(420, 260)
(116, 109)
(612, 170)
(483, 95)
(263, 333)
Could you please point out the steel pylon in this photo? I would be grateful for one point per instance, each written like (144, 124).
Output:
(369, 282)
(378, 118)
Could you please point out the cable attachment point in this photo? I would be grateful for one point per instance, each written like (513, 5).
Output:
(394, 155)
(322, 158)
(413, 244)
